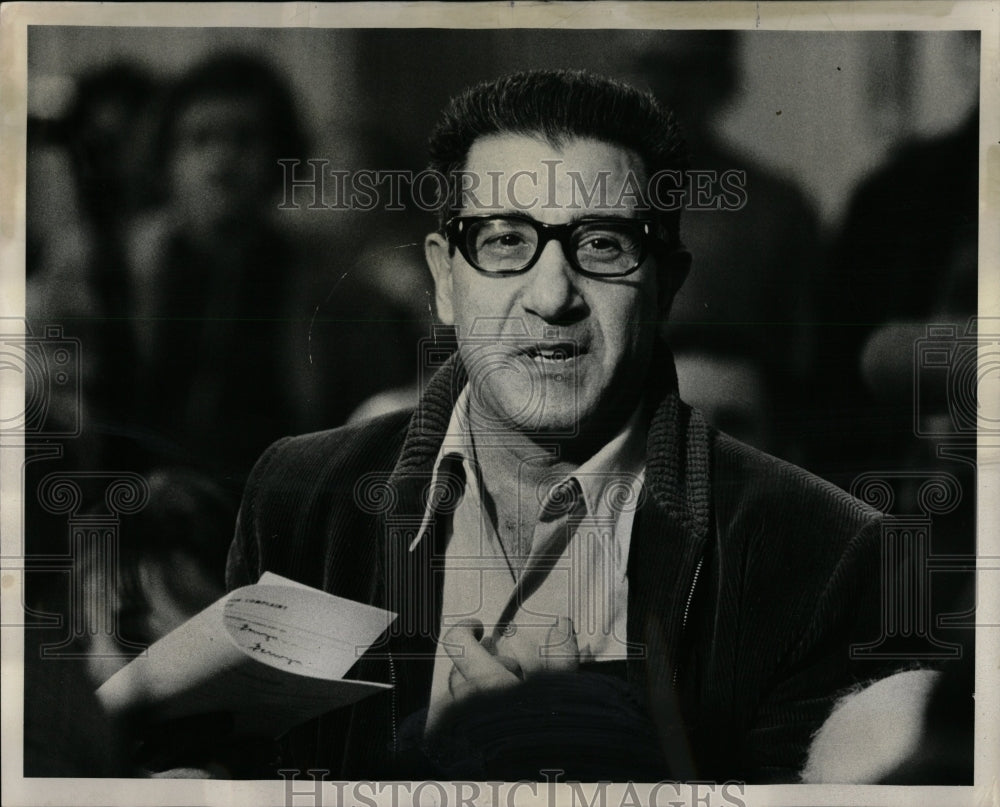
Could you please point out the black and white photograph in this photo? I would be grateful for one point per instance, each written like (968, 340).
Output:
(487, 403)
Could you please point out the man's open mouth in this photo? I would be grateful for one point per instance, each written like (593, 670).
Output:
(553, 351)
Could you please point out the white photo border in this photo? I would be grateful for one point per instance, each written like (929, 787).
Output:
(16, 19)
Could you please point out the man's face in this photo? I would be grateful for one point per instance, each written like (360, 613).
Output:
(550, 350)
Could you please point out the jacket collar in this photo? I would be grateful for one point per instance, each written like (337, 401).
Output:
(677, 448)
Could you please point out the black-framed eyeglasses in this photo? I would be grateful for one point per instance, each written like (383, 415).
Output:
(510, 245)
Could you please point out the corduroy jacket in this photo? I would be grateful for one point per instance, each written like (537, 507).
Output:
(749, 580)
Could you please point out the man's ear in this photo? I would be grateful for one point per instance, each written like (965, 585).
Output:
(439, 261)
(674, 268)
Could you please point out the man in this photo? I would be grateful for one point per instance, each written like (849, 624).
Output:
(580, 564)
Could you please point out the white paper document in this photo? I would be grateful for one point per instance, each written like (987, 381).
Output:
(272, 654)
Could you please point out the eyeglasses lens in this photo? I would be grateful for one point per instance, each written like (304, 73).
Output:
(502, 245)
(607, 248)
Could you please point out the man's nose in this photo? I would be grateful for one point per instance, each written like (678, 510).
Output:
(551, 290)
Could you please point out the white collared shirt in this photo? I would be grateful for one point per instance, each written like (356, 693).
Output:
(577, 562)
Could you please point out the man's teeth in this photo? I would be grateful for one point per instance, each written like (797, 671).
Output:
(554, 355)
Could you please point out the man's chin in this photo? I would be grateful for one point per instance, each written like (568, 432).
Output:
(531, 424)
(527, 411)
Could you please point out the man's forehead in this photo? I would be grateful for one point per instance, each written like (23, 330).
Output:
(532, 173)
(572, 152)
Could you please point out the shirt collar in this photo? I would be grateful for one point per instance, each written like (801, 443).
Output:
(456, 450)
(620, 460)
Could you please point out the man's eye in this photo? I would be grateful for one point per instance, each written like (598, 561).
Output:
(602, 243)
(509, 240)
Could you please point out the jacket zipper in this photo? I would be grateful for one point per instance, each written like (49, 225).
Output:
(684, 617)
(395, 707)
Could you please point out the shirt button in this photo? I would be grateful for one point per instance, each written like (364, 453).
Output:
(509, 629)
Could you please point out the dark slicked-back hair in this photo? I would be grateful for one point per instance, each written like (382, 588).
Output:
(557, 105)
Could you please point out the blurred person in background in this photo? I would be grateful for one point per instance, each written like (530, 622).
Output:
(87, 156)
(373, 291)
(77, 269)
(906, 260)
(905, 257)
(762, 256)
(166, 564)
(360, 352)
(170, 565)
(245, 331)
(215, 271)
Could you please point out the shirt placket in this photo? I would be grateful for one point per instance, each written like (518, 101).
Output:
(557, 524)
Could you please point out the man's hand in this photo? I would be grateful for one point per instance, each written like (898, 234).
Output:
(482, 665)
(594, 722)
(476, 666)
(543, 649)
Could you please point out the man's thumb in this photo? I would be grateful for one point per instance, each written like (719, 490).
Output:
(561, 653)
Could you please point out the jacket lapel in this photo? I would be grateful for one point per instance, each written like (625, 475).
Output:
(413, 579)
(668, 542)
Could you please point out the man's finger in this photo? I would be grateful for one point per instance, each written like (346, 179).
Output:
(561, 652)
(470, 658)
(475, 667)
(508, 672)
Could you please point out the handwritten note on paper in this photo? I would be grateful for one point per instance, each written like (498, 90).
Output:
(289, 627)
(273, 654)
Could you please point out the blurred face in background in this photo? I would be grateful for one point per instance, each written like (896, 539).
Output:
(221, 171)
